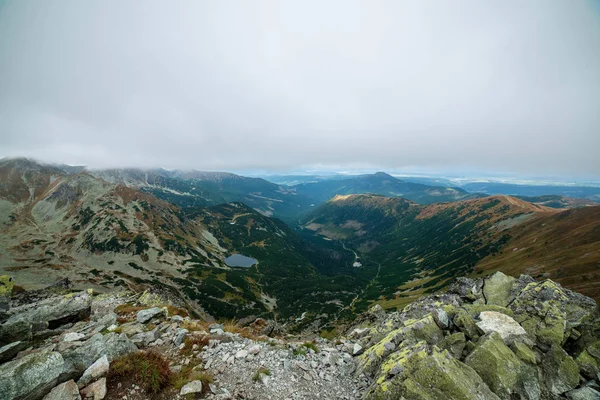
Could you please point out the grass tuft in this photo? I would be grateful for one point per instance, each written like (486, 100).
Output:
(150, 370)
(261, 370)
(191, 340)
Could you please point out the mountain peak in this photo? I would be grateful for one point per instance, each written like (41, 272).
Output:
(381, 174)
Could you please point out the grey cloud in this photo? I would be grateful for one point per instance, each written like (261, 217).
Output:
(497, 85)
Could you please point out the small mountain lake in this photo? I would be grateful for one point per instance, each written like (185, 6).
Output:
(238, 260)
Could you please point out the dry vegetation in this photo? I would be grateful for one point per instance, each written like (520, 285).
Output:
(564, 247)
(150, 370)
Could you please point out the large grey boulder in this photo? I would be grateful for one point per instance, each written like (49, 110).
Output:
(10, 351)
(65, 391)
(584, 393)
(79, 358)
(55, 311)
(145, 338)
(15, 331)
(30, 377)
(144, 316)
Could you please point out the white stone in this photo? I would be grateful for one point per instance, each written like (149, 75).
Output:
(357, 349)
(241, 354)
(73, 337)
(96, 390)
(65, 391)
(254, 349)
(97, 370)
(192, 387)
(505, 326)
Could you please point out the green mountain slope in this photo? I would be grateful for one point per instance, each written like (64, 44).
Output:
(418, 248)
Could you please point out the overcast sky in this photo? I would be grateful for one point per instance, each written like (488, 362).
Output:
(229, 85)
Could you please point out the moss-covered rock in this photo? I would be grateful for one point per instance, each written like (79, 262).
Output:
(437, 376)
(561, 372)
(540, 309)
(466, 324)
(513, 347)
(588, 365)
(497, 365)
(524, 353)
(497, 289)
(467, 288)
(594, 350)
(6, 285)
(424, 329)
(455, 344)
(31, 376)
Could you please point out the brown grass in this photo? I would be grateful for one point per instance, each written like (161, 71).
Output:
(191, 340)
(188, 374)
(124, 309)
(194, 326)
(245, 332)
(172, 310)
(150, 370)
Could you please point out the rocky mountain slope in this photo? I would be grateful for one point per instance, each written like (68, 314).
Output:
(103, 235)
(497, 337)
(197, 188)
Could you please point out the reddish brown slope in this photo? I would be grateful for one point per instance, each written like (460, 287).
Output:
(564, 247)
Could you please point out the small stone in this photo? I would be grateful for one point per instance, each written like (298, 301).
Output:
(180, 336)
(192, 387)
(241, 354)
(254, 349)
(64, 391)
(175, 368)
(389, 347)
(96, 390)
(73, 337)
(357, 349)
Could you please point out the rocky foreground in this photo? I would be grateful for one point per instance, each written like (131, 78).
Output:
(492, 338)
